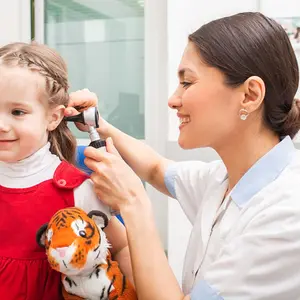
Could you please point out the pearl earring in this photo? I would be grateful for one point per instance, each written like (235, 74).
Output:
(243, 114)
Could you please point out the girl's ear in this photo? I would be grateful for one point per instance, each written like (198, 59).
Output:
(41, 235)
(99, 218)
(55, 116)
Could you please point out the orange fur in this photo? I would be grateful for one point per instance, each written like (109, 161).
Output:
(119, 293)
(66, 236)
(63, 231)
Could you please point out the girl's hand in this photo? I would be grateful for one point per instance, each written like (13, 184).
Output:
(115, 182)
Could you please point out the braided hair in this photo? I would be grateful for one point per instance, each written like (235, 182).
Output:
(50, 65)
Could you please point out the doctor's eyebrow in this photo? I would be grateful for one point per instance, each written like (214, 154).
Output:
(182, 71)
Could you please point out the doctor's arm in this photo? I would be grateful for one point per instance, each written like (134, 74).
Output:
(152, 274)
(116, 234)
(145, 162)
(119, 187)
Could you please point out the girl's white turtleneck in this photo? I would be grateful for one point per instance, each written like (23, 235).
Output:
(30, 171)
(40, 167)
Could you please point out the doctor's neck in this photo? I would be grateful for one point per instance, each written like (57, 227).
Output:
(243, 151)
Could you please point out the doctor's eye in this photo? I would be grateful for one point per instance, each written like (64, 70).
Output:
(185, 84)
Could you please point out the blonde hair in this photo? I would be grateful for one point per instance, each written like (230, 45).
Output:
(50, 65)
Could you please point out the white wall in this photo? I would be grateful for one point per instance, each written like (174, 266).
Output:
(279, 8)
(156, 93)
(286, 9)
(14, 21)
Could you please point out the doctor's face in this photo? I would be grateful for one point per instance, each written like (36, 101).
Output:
(207, 108)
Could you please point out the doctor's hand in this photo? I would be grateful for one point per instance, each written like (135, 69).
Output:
(80, 101)
(115, 182)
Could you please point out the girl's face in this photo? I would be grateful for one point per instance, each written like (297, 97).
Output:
(24, 118)
(208, 109)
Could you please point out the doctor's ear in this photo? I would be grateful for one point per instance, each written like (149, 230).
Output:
(55, 116)
(99, 218)
(254, 91)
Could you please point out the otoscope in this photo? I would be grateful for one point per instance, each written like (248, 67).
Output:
(90, 117)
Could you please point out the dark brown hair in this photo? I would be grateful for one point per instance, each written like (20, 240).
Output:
(251, 44)
(49, 64)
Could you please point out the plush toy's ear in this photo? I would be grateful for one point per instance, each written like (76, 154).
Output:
(99, 217)
(41, 235)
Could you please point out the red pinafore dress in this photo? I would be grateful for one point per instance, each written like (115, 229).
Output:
(24, 269)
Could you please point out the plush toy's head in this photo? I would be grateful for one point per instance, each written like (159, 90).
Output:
(74, 241)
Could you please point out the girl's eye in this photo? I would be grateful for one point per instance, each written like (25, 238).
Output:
(18, 112)
(185, 84)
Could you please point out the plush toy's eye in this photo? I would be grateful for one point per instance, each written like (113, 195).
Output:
(82, 233)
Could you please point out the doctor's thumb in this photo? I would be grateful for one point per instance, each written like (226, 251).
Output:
(110, 148)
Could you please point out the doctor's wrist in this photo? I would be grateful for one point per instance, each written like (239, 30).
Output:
(136, 205)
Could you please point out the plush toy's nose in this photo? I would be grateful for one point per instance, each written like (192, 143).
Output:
(62, 251)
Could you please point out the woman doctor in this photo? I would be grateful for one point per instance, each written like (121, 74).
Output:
(237, 80)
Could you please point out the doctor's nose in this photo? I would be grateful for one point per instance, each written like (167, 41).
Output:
(174, 101)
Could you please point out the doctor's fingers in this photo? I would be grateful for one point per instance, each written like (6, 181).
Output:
(71, 111)
(103, 193)
(99, 168)
(108, 189)
(100, 176)
(83, 98)
(92, 156)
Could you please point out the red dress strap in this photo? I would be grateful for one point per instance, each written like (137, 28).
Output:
(67, 176)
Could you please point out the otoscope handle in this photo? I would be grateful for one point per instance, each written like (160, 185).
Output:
(98, 144)
(102, 144)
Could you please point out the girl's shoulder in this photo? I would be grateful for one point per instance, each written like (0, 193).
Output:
(67, 176)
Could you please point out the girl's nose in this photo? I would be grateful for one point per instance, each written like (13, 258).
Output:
(4, 127)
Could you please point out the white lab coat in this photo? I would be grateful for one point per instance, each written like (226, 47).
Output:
(248, 247)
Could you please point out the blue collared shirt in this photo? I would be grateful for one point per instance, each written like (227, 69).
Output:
(248, 247)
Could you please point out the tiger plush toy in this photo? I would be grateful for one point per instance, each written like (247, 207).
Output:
(77, 247)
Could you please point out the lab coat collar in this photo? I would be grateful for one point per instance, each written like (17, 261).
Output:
(263, 172)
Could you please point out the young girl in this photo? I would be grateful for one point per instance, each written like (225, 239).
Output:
(37, 176)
